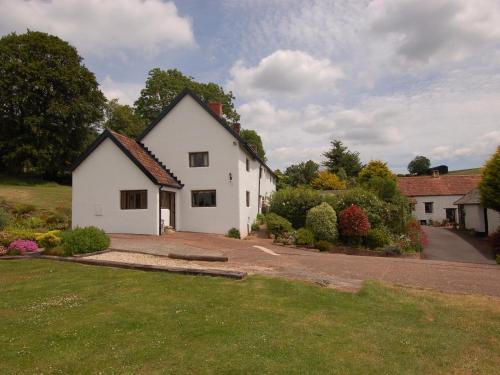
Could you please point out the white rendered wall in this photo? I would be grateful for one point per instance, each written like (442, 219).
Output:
(441, 202)
(474, 217)
(189, 128)
(493, 220)
(248, 181)
(96, 193)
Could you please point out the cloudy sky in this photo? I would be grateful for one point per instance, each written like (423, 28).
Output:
(391, 78)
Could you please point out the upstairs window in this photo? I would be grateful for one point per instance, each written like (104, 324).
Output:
(429, 207)
(133, 199)
(248, 165)
(198, 159)
(248, 199)
(203, 198)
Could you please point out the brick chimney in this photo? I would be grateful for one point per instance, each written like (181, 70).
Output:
(236, 127)
(216, 108)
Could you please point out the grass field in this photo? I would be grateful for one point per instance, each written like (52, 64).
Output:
(68, 318)
(470, 171)
(44, 195)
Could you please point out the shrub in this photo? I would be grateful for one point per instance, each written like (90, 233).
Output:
(304, 237)
(323, 245)
(328, 181)
(377, 238)
(293, 204)
(48, 240)
(23, 209)
(255, 227)
(494, 240)
(6, 238)
(371, 204)
(21, 233)
(4, 218)
(23, 246)
(261, 219)
(84, 240)
(56, 220)
(322, 221)
(32, 222)
(286, 238)
(233, 233)
(277, 225)
(353, 222)
(416, 236)
(392, 249)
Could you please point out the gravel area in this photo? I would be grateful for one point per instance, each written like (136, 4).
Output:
(154, 260)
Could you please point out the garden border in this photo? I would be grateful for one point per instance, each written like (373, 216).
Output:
(236, 275)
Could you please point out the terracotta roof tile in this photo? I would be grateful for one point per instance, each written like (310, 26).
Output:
(442, 185)
(145, 158)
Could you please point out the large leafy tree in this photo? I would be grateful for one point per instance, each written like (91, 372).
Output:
(252, 138)
(50, 104)
(325, 180)
(419, 166)
(375, 168)
(162, 86)
(340, 160)
(122, 118)
(490, 183)
(301, 174)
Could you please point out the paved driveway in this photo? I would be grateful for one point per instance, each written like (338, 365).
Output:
(446, 245)
(337, 270)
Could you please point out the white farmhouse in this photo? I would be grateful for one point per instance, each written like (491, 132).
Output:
(190, 170)
(471, 215)
(434, 196)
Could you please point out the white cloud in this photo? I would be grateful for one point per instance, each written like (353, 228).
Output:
(284, 72)
(436, 30)
(125, 92)
(101, 27)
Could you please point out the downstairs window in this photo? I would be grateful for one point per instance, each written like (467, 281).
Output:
(133, 199)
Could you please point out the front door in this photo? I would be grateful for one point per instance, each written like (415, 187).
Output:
(167, 201)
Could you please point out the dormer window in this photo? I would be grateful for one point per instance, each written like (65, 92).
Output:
(198, 159)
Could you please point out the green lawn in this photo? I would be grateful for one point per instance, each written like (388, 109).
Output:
(69, 318)
(44, 195)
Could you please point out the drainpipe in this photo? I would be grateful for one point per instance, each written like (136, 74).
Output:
(258, 195)
(159, 210)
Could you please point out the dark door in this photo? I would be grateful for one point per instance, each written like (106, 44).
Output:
(167, 200)
(451, 215)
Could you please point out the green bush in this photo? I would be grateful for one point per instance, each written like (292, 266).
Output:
(18, 233)
(255, 227)
(84, 240)
(233, 233)
(377, 238)
(277, 225)
(304, 237)
(323, 245)
(261, 219)
(286, 238)
(31, 222)
(322, 221)
(4, 218)
(371, 204)
(293, 204)
(56, 220)
(49, 240)
(23, 209)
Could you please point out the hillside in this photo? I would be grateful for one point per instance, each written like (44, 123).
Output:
(471, 171)
(42, 194)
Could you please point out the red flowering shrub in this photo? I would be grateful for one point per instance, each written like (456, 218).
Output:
(353, 222)
(417, 237)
